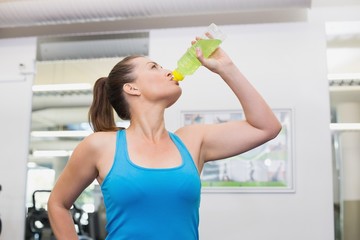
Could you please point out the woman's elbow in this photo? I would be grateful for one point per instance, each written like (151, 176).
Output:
(274, 130)
(54, 204)
(51, 205)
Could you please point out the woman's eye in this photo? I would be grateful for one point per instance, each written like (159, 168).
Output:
(153, 66)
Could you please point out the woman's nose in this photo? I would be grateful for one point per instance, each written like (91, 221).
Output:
(168, 73)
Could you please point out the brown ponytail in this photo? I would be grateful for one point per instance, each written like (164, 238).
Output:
(101, 114)
(108, 95)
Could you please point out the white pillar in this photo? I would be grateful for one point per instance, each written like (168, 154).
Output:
(16, 55)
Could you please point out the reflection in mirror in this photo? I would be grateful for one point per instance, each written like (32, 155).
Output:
(59, 123)
(343, 51)
(62, 94)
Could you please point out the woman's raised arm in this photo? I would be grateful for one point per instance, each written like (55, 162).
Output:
(217, 141)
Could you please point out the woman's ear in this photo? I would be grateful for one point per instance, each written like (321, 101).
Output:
(131, 89)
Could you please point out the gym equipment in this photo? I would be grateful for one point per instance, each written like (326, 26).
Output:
(38, 224)
(97, 223)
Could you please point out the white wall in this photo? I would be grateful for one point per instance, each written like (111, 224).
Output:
(15, 110)
(287, 64)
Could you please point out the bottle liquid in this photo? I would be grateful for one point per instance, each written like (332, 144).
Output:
(189, 63)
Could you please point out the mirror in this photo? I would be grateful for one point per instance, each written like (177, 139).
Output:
(66, 70)
(343, 51)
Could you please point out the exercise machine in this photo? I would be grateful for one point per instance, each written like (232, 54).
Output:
(37, 220)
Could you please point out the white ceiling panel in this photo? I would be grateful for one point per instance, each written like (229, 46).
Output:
(52, 12)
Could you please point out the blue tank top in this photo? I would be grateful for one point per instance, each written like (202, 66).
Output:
(151, 203)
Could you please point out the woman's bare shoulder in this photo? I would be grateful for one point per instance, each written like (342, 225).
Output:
(191, 134)
(98, 140)
(189, 131)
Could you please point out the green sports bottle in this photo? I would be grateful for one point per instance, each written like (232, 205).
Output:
(189, 63)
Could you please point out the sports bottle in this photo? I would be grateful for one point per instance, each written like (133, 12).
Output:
(208, 43)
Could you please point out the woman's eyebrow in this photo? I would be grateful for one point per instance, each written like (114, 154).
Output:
(153, 63)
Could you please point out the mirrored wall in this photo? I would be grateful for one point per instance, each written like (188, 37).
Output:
(343, 54)
(66, 70)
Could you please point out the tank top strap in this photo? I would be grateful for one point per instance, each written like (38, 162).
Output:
(121, 149)
(186, 156)
(118, 161)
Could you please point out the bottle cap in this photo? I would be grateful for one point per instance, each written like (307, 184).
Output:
(214, 32)
(177, 76)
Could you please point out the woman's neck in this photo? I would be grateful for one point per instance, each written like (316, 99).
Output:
(148, 125)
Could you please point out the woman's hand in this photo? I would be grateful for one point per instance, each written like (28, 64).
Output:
(217, 62)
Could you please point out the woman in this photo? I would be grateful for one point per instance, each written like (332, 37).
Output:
(150, 177)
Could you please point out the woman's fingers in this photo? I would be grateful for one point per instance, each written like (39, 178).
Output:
(196, 39)
(207, 34)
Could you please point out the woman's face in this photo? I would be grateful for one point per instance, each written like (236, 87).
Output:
(154, 82)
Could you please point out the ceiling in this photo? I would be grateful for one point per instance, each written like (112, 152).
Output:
(69, 17)
(19, 13)
(83, 39)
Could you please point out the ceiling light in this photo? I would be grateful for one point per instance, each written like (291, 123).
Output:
(45, 134)
(338, 127)
(51, 153)
(62, 87)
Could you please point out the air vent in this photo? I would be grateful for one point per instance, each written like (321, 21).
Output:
(92, 46)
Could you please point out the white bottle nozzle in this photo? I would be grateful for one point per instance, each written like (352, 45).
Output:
(214, 32)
